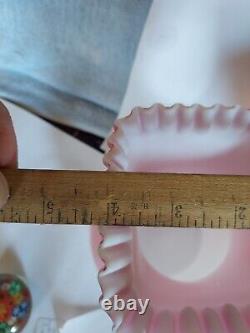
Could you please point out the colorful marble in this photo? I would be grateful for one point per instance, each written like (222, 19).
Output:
(15, 304)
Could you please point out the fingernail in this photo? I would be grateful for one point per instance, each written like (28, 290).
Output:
(4, 190)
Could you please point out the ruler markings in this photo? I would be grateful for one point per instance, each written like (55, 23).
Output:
(139, 218)
(83, 217)
(226, 199)
(203, 218)
(172, 214)
(43, 211)
(107, 212)
(11, 214)
(219, 218)
(75, 214)
(155, 221)
(59, 216)
(235, 216)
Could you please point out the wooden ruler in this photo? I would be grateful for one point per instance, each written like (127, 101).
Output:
(131, 199)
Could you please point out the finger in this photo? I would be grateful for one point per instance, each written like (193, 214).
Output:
(4, 190)
(8, 144)
(8, 150)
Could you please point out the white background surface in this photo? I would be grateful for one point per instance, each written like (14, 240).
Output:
(192, 52)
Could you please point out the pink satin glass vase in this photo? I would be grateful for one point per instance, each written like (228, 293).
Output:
(197, 280)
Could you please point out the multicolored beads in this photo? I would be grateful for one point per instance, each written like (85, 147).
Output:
(15, 304)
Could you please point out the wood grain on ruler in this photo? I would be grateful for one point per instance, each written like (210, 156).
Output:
(134, 199)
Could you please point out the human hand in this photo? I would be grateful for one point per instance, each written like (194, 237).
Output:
(8, 150)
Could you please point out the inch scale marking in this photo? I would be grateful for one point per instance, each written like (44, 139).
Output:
(127, 199)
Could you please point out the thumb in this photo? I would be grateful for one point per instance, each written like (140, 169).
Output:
(4, 190)
(8, 150)
(8, 145)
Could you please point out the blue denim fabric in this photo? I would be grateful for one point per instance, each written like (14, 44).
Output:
(69, 60)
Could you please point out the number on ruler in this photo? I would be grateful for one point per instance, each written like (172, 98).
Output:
(242, 213)
(114, 207)
(50, 207)
(178, 211)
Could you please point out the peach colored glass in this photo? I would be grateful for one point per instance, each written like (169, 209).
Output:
(197, 280)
